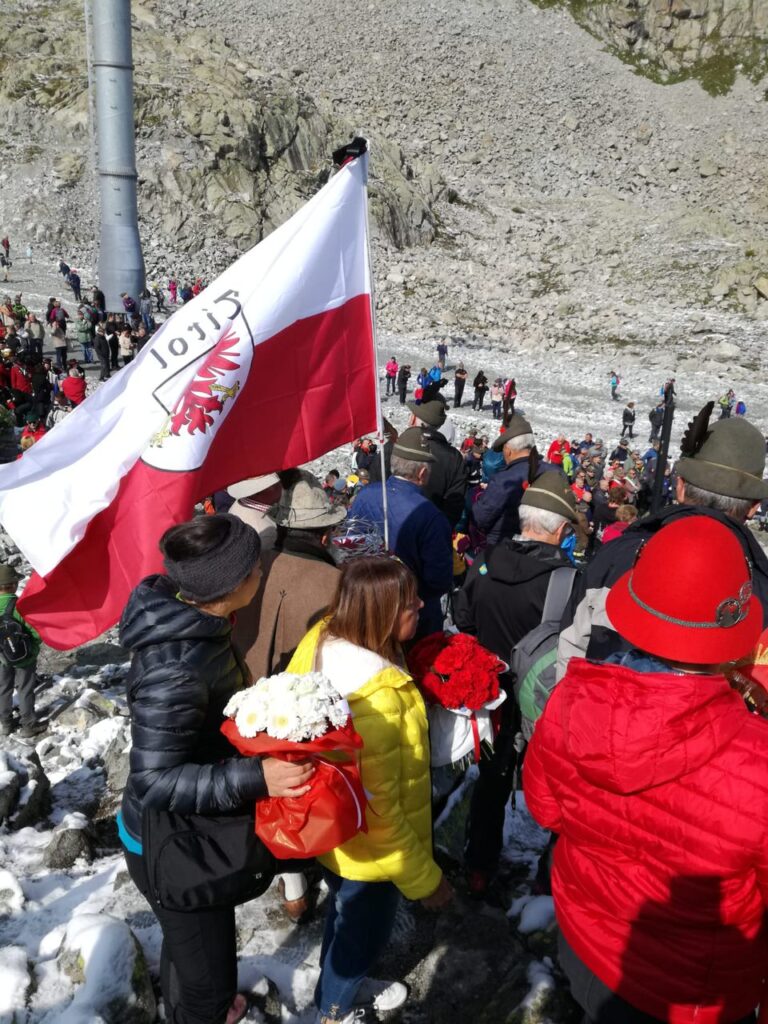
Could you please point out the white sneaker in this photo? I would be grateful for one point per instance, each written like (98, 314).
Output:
(385, 995)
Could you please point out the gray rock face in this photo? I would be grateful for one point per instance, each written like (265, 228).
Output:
(225, 152)
(706, 37)
(66, 846)
(10, 787)
(125, 995)
(116, 761)
(24, 790)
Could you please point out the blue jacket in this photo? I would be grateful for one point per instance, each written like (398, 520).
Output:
(420, 535)
(496, 512)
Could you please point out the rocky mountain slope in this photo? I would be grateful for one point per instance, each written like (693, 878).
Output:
(225, 151)
(710, 40)
(531, 194)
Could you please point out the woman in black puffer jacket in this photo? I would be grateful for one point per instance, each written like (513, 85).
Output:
(183, 673)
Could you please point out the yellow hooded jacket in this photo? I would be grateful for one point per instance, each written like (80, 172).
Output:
(388, 712)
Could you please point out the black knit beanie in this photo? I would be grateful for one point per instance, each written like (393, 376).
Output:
(211, 576)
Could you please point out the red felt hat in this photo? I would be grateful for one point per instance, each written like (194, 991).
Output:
(688, 596)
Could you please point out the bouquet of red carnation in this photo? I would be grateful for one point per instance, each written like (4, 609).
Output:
(459, 680)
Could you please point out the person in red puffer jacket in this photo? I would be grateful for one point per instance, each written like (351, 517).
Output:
(655, 776)
(73, 386)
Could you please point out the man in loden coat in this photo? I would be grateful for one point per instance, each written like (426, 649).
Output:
(298, 583)
(299, 580)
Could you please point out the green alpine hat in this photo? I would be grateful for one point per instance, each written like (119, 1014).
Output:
(432, 413)
(551, 492)
(517, 425)
(412, 445)
(729, 461)
(8, 576)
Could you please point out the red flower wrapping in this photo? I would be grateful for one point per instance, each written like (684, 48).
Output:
(330, 814)
(453, 670)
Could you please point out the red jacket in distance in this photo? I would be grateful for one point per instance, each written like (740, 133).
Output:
(37, 434)
(20, 381)
(657, 784)
(554, 452)
(74, 389)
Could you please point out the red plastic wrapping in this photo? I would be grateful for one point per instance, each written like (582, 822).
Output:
(330, 814)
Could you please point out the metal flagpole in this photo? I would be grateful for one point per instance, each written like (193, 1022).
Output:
(377, 381)
(356, 148)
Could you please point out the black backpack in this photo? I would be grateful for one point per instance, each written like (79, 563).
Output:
(15, 641)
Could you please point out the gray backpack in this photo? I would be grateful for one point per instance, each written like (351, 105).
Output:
(532, 662)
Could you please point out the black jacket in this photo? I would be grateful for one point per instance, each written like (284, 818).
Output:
(184, 671)
(447, 484)
(585, 628)
(628, 417)
(504, 593)
(402, 377)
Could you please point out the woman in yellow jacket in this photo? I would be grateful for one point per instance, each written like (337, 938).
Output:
(357, 647)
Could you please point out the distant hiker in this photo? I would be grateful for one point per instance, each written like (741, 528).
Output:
(173, 289)
(63, 269)
(391, 371)
(480, 384)
(459, 383)
(615, 381)
(726, 403)
(101, 346)
(510, 395)
(628, 420)
(741, 409)
(22, 643)
(73, 386)
(656, 417)
(73, 280)
(145, 309)
(442, 353)
(497, 396)
(402, 381)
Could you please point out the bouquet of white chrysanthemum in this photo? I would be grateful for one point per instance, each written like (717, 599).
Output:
(297, 718)
(288, 707)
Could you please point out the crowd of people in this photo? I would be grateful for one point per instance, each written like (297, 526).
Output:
(44, 357)
(624, 600)
(635, 743)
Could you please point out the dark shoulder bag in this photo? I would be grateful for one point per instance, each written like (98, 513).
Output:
(204, 862)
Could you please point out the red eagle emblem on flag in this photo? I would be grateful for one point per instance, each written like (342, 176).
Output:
(206, 395)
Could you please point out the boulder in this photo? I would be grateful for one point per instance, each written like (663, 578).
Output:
(725, 352)
(89, 708)
(116, 760)
(26, 800)
(14, 991)
(105, 963)
(11, 894)
(66, 846)
(10, 788)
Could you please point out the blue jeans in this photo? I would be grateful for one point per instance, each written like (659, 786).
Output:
(357, 928)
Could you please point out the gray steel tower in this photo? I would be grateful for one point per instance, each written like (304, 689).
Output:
(121, 264)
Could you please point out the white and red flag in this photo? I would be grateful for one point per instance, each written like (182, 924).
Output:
(272, 365)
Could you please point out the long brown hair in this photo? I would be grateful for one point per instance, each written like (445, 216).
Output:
(371, 595)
